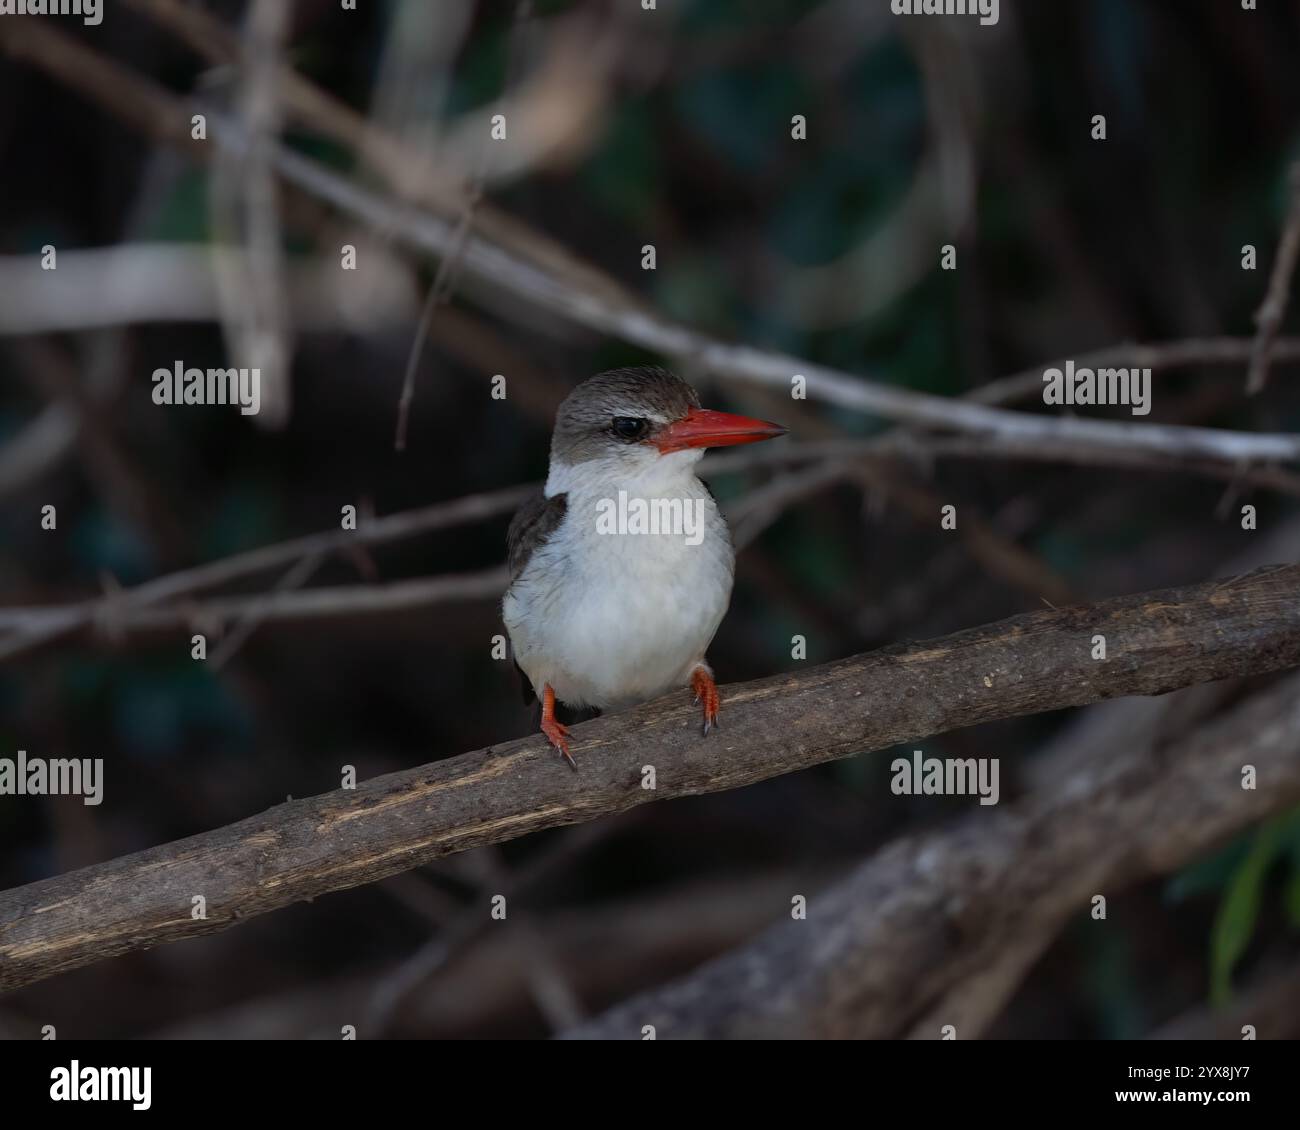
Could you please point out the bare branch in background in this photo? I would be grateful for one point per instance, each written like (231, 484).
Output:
(641, 940)
(110, 468)
(246, 217)
(414, 74)
(744, 364)
(420, 177)
(393, 992)
(141, 283)
(1157, 356)
(1269, 316)
(251, 619)
(34, 626)
(38, 448)
(936, 209)
(445, 279)
(506, 276)
(283, 605)
(833, 461)
(439, 293)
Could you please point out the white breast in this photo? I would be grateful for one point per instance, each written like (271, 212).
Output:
(609, 619)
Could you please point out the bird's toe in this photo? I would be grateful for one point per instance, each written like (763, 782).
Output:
(707, 696)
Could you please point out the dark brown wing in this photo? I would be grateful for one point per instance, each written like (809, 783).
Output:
(532, 524)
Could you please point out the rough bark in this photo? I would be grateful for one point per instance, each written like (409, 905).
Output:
(1156, 642)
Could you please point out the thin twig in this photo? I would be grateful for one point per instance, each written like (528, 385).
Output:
(293, 579)
(445, 278)
(33, 626)
(277, 606)
(1270, 314)
(392, 991)
(1156, 356)
(439, 293)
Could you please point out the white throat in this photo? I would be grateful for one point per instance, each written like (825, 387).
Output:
(639, 471)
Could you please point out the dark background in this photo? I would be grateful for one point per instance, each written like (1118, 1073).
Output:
(1065, 244)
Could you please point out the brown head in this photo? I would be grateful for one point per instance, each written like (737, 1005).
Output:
(636, 416)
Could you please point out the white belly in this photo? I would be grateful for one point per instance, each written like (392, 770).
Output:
(614, 619)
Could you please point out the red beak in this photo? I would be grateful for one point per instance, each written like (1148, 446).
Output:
(702, 427)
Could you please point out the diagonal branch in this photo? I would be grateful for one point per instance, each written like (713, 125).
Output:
(938, 929)
(494, 274)
(1036, 662)
(491, 267)
(33, 626)
(135, 608)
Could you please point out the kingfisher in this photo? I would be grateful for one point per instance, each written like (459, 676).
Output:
(602, 612)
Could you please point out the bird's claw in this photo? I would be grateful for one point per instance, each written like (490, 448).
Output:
(557, 734)
(706, 693)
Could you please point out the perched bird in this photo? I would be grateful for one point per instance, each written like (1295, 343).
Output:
(621, 567)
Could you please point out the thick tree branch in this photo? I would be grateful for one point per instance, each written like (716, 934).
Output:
(936, 929)
(1156, 642)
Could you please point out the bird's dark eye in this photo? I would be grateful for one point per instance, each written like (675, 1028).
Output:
(630, 427)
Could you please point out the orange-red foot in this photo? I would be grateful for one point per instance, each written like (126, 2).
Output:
(556, 732)
(706, 695)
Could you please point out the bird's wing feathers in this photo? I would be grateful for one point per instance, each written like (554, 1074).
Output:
(532, 524)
